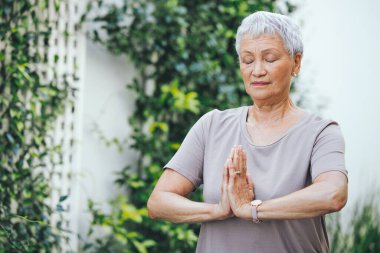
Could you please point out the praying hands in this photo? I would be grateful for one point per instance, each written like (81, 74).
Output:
(237, 186)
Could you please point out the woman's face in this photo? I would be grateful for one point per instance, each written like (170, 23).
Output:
(266, 67)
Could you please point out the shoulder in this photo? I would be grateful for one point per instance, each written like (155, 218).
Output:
(322, 127)
(220, 116)
(221, 120)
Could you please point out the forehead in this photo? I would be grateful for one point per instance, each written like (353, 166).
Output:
(263, 42)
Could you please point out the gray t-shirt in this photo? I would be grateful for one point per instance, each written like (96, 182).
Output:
(310, 147)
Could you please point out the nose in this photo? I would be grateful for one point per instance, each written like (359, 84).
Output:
(258, 69)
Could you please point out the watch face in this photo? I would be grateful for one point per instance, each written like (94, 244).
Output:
(256, 202)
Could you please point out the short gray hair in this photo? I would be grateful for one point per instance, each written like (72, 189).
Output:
(263, 22)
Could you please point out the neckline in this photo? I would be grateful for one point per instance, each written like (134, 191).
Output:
(243, 117)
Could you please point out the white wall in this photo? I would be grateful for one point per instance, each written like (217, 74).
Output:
(342, 53)
(107, 105)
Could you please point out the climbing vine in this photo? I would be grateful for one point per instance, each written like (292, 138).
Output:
(29, 106)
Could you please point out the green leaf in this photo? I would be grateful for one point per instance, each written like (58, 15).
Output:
(132, 235)
(60, 208)
(136, 184)
(140, 246)
(63, 198)
(159, 125)
(121, 238)
(149, 243)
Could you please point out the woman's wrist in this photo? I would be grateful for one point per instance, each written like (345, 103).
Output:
(218, 213)
(244, 212)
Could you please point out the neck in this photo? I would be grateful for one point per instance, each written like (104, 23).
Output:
(264, 114)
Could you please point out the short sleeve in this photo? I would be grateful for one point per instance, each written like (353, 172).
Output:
(328, 151)
(188, 160)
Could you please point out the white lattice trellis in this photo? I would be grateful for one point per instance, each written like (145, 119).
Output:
(66, 52)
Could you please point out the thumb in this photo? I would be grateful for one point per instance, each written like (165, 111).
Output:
(250, 182)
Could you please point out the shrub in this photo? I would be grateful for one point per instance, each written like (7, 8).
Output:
(362, 235)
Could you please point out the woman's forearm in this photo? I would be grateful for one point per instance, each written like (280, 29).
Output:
(315, 200)
(176, 208)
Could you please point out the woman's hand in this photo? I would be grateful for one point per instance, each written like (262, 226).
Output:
(240, 185)
(223, 208)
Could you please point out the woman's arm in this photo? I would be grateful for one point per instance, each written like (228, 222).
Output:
(168, 201)
(327, 194)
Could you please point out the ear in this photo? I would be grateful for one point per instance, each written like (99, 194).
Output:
(296, 63)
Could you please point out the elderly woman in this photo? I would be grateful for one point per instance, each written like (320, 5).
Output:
(270, 171)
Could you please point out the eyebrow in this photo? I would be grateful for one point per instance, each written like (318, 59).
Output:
(263, 51)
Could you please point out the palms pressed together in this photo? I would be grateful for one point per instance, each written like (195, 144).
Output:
(237, 186)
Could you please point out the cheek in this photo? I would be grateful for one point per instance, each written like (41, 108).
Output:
(245, 73)
(280, 73)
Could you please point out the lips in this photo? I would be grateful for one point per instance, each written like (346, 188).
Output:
(257, 83)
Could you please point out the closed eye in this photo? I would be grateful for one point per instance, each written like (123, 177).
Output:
(247, 59)
(270, 57)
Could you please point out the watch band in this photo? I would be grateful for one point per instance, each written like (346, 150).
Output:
(255, 204)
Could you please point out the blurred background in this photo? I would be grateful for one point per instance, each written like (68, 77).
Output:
(98, 95)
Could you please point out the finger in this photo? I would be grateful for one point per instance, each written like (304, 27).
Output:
(225, 172)
(222, 183)
(244, 162)
(236, 158)
(225, 178)
(230, 194)
(231, 171)
(230, 165)
(231, 153)
(250, 182)
(226, 163)
(231, 180)
(241, 165)
(234, 171)
(251, 187)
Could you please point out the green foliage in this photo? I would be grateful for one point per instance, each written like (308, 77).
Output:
(184, 53)
(362, 234)
(28, 110)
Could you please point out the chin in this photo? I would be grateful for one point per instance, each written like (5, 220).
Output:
(260, 95)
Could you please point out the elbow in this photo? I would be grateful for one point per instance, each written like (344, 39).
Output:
(338, 199)
(338, 205)
(150, 206)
